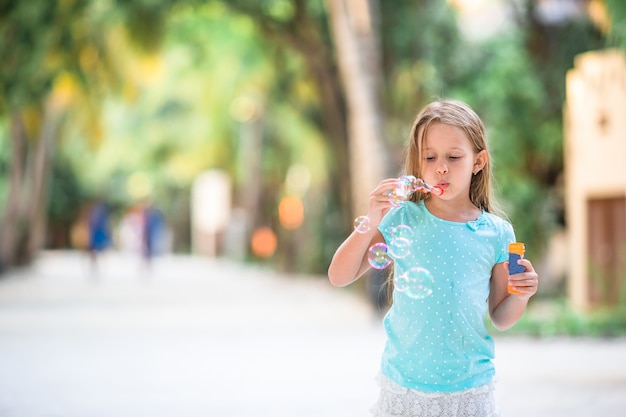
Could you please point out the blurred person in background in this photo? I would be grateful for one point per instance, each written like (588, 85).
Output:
(143, 232)
(152, 233)
(99, 231)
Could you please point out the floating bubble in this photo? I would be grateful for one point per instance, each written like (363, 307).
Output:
(401, 282)
(402, 191)
(409, 182)
(400, 241)
(362, 224)
(416, 283)
(378, 256)
(419, 185)
(396, 196)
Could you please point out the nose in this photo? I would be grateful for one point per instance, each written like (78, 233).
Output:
(442, 168)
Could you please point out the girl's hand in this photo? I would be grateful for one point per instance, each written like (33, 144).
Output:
(379, 201)
(526, 282)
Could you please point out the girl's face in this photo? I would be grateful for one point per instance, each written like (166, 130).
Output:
(449, 160)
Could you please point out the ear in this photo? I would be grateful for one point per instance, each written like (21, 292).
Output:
(480, 160)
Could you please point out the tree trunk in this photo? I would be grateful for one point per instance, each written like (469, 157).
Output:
(333, 118)
(24, 219)
(37, 213)
(10, 229)
(304, 34)
(355, 32)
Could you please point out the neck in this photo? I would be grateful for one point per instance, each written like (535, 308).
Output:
(456, 211)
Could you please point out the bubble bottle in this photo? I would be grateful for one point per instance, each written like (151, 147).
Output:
(516, 252)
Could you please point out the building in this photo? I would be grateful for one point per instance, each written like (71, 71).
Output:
(595, 178)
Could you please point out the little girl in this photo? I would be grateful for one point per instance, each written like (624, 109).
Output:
(438, 357)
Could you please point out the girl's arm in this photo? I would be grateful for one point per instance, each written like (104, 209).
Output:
(350, 259)
(506, 309)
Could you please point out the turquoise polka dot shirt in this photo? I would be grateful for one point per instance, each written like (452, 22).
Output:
(439, 343)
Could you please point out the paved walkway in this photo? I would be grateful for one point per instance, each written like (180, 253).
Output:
(200, 337)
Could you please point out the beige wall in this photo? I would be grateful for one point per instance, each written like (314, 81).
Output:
(595, 150)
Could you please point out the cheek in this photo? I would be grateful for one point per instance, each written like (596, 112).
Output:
(426, 169)
(429, 175)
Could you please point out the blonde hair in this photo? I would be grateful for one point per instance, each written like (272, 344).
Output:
(458, 114)
(453, 113)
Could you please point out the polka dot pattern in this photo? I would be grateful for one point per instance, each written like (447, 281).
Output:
(439, 343)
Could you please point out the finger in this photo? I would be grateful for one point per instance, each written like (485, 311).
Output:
(522, 287)
(382, 191)
(526, 263)
(524, 283)
(388, 192)
(387, 183)
(383, 196)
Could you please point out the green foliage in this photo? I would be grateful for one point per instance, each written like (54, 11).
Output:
(422, 57)
(36, 44)
(217, 81)
(65, 196)
(145, 21)
(195, 76)
(517, 83)
(4, 165)
(181, 122)
(617, 33)
(525, 141)
(547, 318)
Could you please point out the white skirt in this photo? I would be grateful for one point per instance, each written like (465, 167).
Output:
(398, 401)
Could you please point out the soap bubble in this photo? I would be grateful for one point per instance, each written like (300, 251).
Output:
(362, 224)
(400, 241)
(409, 182)
(416, 283)
(378, 256)
(397, 196)
(405, 186)
(420, 186)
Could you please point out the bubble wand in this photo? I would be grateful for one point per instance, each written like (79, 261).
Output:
(407, 185)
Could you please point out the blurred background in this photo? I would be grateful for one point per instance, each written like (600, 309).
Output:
(254, 130)
(251, 132)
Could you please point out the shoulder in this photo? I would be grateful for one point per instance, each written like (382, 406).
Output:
(502, 226)
(495, 219)
(407, 209)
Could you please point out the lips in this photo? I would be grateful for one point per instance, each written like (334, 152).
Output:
(440, 188)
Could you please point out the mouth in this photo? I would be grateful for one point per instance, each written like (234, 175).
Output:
(439, 189)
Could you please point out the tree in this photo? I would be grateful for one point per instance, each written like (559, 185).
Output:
(54, 54)
(35, 91)
(610, 17)
(302, 26)
(355, 31)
